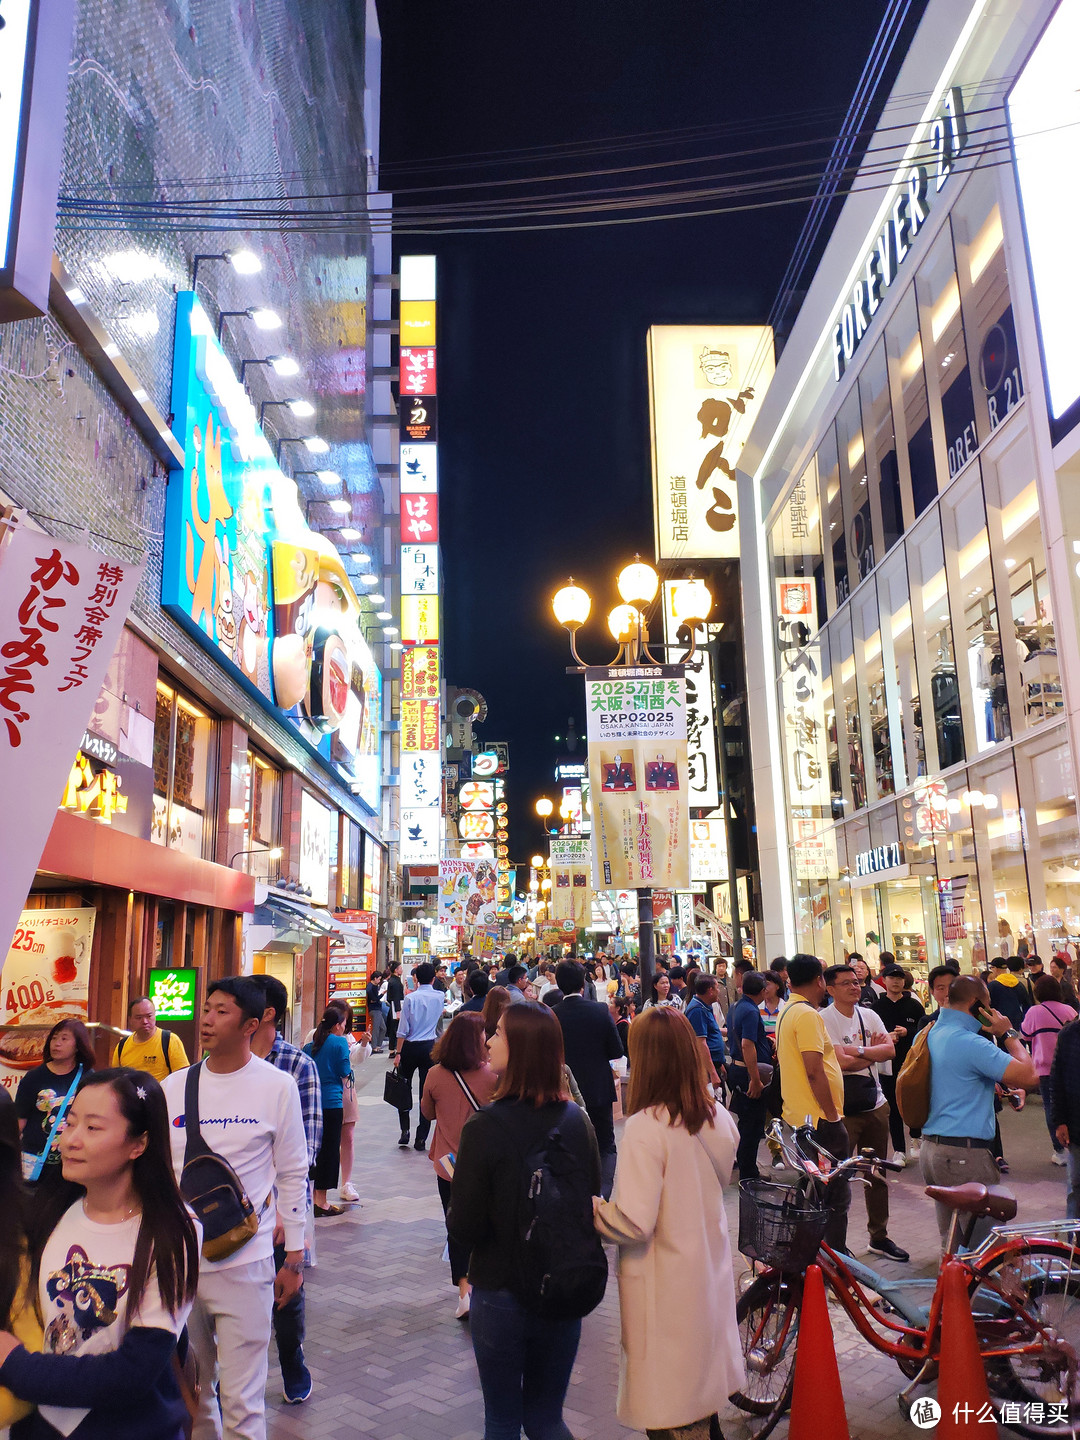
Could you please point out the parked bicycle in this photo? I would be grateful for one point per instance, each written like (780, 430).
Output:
(1023, 1282)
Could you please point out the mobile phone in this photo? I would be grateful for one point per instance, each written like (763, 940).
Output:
(983, 1016)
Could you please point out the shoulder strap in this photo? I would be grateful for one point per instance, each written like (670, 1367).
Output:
(123, 1047)
(54, 1133)
(196, 1145)
(469, 1095)
(166, 1042)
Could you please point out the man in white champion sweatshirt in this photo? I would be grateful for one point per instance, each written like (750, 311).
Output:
(249, 1114)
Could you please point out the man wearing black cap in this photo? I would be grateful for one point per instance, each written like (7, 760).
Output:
(903, 1017)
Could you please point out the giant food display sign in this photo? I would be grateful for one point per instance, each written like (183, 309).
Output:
(46, 978)
(263, 592)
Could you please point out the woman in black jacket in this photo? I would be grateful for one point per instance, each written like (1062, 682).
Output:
(395, 998)
(524, 1360)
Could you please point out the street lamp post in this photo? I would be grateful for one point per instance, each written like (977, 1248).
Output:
(637, 583)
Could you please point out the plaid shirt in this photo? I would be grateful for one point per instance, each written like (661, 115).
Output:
(302, 1068)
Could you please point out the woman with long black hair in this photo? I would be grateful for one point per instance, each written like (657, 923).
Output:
(40, 1098)
(115, 1264)
(16, 1310)
(330, 1051)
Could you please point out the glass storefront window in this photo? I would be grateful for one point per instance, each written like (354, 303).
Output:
(262, 812)
(849, 729)
(967, 548)
(184, 743)
(933, 635)
(835, 534)
(999, 834)
(856, 490)
(870, 672)
(1015, 526)
(904, 345)
(832, 728)
(880, 436)
(948, 378)
(898, 654)
(984, 289)
(1045, 772)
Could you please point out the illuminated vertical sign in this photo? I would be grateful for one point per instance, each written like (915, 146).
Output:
(421, 667)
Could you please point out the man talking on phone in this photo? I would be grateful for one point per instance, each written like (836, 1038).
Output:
(965, 1066)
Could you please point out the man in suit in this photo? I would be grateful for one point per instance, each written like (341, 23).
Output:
(591, 1043)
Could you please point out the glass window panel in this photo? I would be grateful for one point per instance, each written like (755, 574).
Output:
(963, 519)
(835, 535)
(1014, 505)
(870, 669)
(880, 438)
(944, 351)
(933, 636)
(904, 344)
(984, 287)
(856, 490)
(898, 646)
(183, 772)
(797, 561)
(837, 778)
(848, 725)
(999, 828)
(1054, 843)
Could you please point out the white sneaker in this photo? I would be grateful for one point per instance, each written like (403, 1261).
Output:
(899, 1159)
(463, 1306)
(915, 1149)
(349, 1192)
(1058, 1158)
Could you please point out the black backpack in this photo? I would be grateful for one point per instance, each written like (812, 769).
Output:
(212, 1187)
(562, 1269)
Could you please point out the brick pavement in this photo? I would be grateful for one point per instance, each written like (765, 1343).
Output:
(388, 1357)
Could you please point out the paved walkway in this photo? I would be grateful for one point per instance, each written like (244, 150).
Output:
(388, 1357)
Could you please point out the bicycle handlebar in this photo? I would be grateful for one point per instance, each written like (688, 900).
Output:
(804, 1134)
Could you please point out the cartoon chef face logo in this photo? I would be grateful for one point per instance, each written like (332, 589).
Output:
(87, 1297)
(715, 365)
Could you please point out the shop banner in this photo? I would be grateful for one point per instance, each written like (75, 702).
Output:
(563, 933)
(466, 892)
(62, 609)
(638, 776)
(350, 963)
(45, 978)
(708, 850)
(684, 910)
(504, 893)
(571, 880)
(701, 733)
(706, 385)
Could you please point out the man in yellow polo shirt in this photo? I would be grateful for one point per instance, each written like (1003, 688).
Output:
(145, 1048)
(811, 1080)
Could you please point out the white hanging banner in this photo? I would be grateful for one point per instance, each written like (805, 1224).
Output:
(62, 608)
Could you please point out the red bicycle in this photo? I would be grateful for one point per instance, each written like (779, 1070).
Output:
(1024, 1286)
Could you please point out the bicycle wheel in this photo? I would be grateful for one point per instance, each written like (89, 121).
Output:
(768, 1316)
(1043, 1278)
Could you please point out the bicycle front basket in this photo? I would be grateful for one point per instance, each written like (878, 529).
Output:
(777, 1227)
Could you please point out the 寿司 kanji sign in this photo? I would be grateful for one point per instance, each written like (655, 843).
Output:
(62, 608)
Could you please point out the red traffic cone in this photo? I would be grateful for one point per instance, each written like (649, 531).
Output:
(817, 1402)
(962, 1392)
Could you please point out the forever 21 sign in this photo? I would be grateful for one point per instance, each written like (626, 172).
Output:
(907, 215)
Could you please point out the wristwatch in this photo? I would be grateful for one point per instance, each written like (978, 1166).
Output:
(1011, 1035)
(296, 1266)
(860, 1050)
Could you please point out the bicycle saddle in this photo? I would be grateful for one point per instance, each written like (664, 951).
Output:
(974, 1199)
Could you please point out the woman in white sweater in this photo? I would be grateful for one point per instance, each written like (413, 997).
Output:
(676, 1283)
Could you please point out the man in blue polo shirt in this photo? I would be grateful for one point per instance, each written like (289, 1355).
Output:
(965, 1066)
(751, 1066)
(700, 1014)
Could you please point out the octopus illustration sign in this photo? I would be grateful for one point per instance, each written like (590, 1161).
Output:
(706, 383)
(243, 572)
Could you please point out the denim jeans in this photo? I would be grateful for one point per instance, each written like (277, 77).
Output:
(1046, 1094)
(1072, 1174)
(289, 1329)
(524, 1364)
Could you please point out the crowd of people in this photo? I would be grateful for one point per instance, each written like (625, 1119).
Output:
(163, 1213)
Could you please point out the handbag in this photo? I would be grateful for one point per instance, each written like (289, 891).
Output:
(397, 1090)
(214, 1192)
(33, 1165)
(860, 1087)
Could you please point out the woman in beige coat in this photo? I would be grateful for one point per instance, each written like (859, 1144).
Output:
(681, 1355)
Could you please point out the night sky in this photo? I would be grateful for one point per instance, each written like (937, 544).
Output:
(543, 413)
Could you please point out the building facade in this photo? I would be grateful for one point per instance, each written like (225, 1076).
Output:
(241, 729)
(910, 599)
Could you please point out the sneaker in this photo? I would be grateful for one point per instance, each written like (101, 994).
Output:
(1002, 1164)
(1058, 1158)
(889, 1249)
(419, 1144)
(899, 1158)
(328, 1212)
(462, 1311)
(298, 1389)
(349, 1192)
(403, 1140)
(916, 1149)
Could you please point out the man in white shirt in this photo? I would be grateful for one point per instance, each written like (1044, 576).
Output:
(250, 1115)
(861, 1041)
(417, 1029)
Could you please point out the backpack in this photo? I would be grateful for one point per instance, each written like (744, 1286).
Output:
(212, 1187)
(562, 1268)
(913, 1082)
(166, 1040)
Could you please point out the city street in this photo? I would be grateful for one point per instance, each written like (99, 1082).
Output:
(389, 1359)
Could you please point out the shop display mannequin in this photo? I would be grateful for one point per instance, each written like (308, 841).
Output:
(946, 697)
